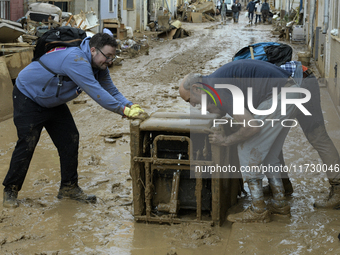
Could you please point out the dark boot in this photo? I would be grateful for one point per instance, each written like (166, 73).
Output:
(333, 200)
(267, 191)
(10, 196)
(73, 191)
(257, 211)
(278, 204)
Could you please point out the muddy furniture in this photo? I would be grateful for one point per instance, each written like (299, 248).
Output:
(163, 148)
(13, 58)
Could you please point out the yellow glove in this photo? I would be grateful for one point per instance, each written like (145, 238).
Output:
(136, 106)
(132, 112)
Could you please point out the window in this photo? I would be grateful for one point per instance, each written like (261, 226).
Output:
(111, 5)
(4, 9)
(129, 4)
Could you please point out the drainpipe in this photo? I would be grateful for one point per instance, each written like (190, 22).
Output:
(99, 17)
(325, 17)
(312, 27)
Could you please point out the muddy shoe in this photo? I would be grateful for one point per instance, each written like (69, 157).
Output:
(10, 197)
(267, 191)
(76, 193)
(249, 215)
(279, 207)
(333, 200)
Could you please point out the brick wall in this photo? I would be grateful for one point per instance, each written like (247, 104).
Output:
(17, 9)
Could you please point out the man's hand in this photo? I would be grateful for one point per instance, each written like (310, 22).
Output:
(216, 136)
(136, 106)
(132, 112)
(242, 134)
(135, 112)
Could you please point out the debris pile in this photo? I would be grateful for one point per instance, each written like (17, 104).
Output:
(134, 47)
(197, 12)
(10, 31)
(287, 25)
(175, 31)
(40, 18)
(43, 16)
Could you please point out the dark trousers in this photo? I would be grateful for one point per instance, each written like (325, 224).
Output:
(251, 16)
(265, 14)
(29, 119)
(258, 16)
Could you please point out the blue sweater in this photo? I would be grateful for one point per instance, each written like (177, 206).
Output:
(75, 63)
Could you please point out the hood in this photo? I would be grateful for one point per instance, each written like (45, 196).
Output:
(85, 46)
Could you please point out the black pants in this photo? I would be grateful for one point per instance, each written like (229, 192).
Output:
(29, 119)
(265, 14)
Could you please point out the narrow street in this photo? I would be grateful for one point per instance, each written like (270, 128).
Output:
(42, 224)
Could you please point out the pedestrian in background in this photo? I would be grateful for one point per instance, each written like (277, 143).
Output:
(236, 8)
(265, 11)
(251, 9)
(223, 13)
(258, 13)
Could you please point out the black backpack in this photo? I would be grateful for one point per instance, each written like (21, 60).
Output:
(61, 36)
(273, 52)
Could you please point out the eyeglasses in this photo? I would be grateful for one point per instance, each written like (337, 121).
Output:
(107, 58)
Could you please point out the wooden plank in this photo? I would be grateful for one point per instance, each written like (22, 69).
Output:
(16, 44)
(15, 49)
(110, 25)
(216, 187)
(198, 193)
(136, 147)
(111, 20)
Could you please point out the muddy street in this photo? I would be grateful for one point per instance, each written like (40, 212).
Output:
(42, 224)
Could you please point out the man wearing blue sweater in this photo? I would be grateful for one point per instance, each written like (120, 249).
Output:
(39, 100)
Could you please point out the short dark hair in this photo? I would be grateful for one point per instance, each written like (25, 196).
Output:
(99, 40)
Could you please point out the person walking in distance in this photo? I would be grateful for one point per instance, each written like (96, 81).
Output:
(236, 8)
(251, 8)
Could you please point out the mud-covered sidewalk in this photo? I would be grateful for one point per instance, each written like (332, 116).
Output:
(42, 224)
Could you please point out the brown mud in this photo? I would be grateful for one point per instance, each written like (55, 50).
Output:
(42, 224)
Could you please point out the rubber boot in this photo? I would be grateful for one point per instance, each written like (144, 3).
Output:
(257, 211)
(278, 204)
(10, 196)
(73, 191)
(287, 185)
(333, 200)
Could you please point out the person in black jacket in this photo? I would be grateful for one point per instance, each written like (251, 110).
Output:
(236, 8)
(251, 9)
(265, 11)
